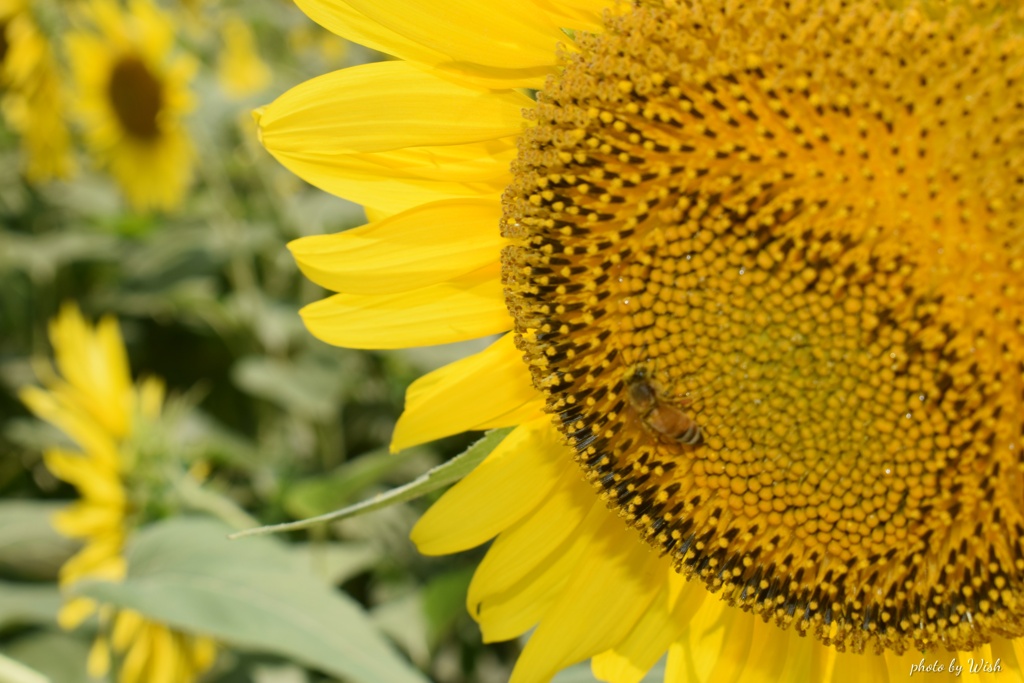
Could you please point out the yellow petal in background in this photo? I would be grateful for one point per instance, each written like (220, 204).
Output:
(98, 663)
(84, 471)
(100, 559)
(508, 45)
(88, 519)
(469, 307)
(74, 612)
(128, 625)
(510, 483)
(95, 364)
(422, 246)
(136, 659)
(202, 651)
(165, 660)
(240, 69)
(65, 413)
(489, 389)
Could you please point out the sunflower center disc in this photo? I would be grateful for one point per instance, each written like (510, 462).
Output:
(766, 264)
(4, 43)
(137, 97)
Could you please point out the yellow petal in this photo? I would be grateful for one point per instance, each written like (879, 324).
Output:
(468, 307)
(666, 621)
(165, 661)
(513, 479)
(419, 247)
(629, 661)
(74, 612)
(87, 519)
(86, 473)
(600, 604)
(240, 69)
(767, 657)
(375, 215)
(151, 397)
(73, 420)
(203, 652)
(720, 641)
(385, 106)
(95, 364)
(499, 45)
(392, 137)
(489, 389)
(98, 663)
(579, 15)
(534, 541)
(136, 660)
(1003, 649)
(854, 668)
(506, 614)
(675, 664)
(399, 180)
(128, 627)
(100, 559)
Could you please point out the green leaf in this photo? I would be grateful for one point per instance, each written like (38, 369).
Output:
(29, 545)
(306, 388)
(254, 595)
(58, 656)
(444, 600)
(402, 618)
(16, 672)
(439, 477)
(338, 562)
(27, 603)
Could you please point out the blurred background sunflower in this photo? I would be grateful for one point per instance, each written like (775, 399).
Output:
(131, 93)
(92, 400)
(33, 101)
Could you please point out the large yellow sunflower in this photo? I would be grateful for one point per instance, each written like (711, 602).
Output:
(92, 400)
(132, 92)
(760, 269)
(33, 98)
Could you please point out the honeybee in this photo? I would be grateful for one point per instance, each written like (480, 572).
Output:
(661, 416)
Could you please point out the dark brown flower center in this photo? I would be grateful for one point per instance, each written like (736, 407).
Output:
(137, 97)
(766, 265)
(4, 43)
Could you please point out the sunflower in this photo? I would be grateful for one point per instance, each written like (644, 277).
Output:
(33, 94)
(132, 93)
(92, 400)
(240, 70)
(759, 270)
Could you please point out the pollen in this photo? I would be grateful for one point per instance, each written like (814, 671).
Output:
(765, 266)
